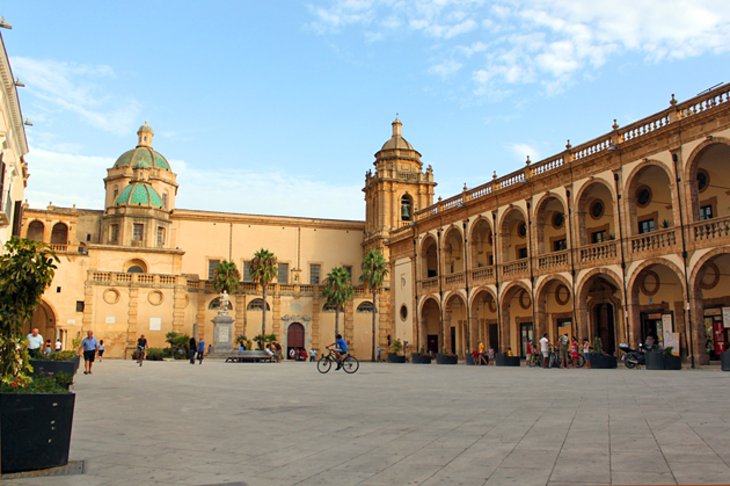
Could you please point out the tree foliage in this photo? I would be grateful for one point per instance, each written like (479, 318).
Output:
(337, 290)
(26, 270)
(374, 271)
(226, 277)
(263, 271)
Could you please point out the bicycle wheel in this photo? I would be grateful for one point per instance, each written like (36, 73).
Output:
(581, 361)
(350, 365)
(324, 364)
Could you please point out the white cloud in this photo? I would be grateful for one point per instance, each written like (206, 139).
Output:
(232, 190)
(445, 68)
(522, 150)
(76, 88)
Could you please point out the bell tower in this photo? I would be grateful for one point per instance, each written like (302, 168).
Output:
(396, 190)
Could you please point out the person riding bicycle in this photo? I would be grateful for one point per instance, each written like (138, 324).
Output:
(340, 348)
(141, 348)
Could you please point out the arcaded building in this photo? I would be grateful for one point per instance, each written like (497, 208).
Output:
(621, 237)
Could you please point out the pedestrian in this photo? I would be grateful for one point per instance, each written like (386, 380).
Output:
(574, 352)
(89, 346)
(201, 351)
(302, 354)
(528, 353)
(35, 343)
(380, 352)
(545, 349)
(101, 349)
(312, 355)
(490, 354)
(292, 353)
(587, 352)
(58, 345)
(509, 352)
(564, 341)
(210, 348)
(191, 350)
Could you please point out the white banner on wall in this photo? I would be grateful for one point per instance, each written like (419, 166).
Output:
(110, 320)
(155, 323)
(726, 316)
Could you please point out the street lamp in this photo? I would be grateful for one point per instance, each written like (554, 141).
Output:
(27, 122)
(4, 24)
(19, 83)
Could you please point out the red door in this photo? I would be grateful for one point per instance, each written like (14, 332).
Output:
(718, 333)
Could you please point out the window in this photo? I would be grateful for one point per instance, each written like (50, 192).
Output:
(79, 306)
(135, 269)
(257, 304)
(646, 226)
(164, 200)
(113, 233)
(558, 220)
(490, 260)
(116, 193)
(706, 212)
(522, 230)
(137, 232)
(643, 196)
(247, 277)
(329, 307)
(314, 271)
(283, 275)
(160, 236)
(406, 208)
(521, 252)
(212, 264)
(348, 269)
(560, 245)
(598, 237)
(597, 209)
(366, 306)
(703, 180)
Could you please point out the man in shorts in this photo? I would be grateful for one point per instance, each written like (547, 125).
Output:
(89, 346)
(340, 348)
(545, 349)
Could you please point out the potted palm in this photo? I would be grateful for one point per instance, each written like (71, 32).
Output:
(337, 290)
(599, 359)
(37, 408)
(420, 357)
(374, 271)
(446, 358)
(395, 356)
(263, 271)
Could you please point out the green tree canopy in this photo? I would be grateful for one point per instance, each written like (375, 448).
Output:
(263, 272)
(374, 271)
(337, 290)
(226, 277)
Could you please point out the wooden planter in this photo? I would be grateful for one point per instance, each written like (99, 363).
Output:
(394, 358)
(603, 361)
(725, 361)
(446, 359)
(420, 359)
(35, 429)
(503, 360)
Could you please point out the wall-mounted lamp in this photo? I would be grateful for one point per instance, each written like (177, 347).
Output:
(4, 24)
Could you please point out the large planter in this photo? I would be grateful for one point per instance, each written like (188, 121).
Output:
(672, 362)
(35, 430)
(603, 361)
(503, 360)
(725, 361)
(469, 359)
(394, 358)
(43, 367)
(658, 360)
(446, 359)
(420, 359)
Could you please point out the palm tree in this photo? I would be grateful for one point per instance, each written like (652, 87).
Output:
(337, 290)
(374, 271)
(263, 271)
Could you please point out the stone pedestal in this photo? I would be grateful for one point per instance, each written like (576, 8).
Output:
(222, 333)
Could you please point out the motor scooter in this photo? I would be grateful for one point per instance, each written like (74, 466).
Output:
(633, 357)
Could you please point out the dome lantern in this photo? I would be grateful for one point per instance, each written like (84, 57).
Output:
(145, 134)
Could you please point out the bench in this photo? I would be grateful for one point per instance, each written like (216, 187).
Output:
(249, 356)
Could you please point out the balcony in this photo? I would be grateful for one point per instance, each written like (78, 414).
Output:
(429, 285)
(553, 262)
(663, 241)
(710, 232)
(516, 269)
(454, 281)
(598, 253)
(482, 275)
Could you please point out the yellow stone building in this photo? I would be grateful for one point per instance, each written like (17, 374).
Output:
(624, 236)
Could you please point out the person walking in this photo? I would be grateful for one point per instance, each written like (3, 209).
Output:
(564, 342)
(35, 343)
(89, 346)
(141, 349)
(191, 350)
(59, 345)
(545, 349)
(587, 352)
(101, 349)
(201, 351)
(574, 352)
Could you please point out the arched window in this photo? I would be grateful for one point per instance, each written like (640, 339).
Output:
(135, 269)
(366, 306)
(136, 266)
(406, 208)
(329, 307)
(257, 304)
(216, 304)
(35, 231)
(59, 234)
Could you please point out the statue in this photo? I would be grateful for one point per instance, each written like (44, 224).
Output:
(223, 302)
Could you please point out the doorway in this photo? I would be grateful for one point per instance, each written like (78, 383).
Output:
(294, 339)
(453, 340)
(526, 334)
(494, 337)
(432, 343)
(604, 326)
(716, 333)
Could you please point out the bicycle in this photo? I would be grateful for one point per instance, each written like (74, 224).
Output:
(350, 364)
(140, 356)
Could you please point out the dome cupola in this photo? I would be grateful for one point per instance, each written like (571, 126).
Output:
(397, 141)
(143, 155)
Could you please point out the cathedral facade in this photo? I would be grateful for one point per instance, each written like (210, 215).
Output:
(623, 237)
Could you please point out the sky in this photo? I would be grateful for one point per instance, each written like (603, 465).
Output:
(278, 107)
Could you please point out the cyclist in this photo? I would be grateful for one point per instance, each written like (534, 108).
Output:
(340, 348)
(141, 348)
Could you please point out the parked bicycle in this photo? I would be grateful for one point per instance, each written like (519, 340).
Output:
(350, 364)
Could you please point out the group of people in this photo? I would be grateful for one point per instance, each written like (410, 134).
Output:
(482, 356)
(90, 347)
(196, 349)
(38, 347)
(567, 349)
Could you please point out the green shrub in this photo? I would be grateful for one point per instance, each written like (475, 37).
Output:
(155, 354)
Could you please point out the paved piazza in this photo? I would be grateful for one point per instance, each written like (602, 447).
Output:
(391, 424)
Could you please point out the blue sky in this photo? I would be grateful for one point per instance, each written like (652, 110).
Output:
(277, 107)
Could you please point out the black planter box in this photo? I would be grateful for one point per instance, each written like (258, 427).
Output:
(42, 366)
(503, 360)
(657, 360)
(725, 361)
(447, 359)
(672, 363)
(469, 359)
(603, 361)
(420, 359)
(394, 358)
(35, 429)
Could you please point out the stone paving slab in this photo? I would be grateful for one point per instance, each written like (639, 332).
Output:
(396, 424)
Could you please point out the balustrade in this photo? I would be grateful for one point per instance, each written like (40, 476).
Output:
(429, 284)
(482, 274)
(710, 229)
(606, 250)
(654, 240)
(515, 269)
(553, 261)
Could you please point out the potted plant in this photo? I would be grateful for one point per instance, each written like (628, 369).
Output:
(420, 357)
(37, 408)
(671, 362)
(503, 359)
(56, 362)
(446, 358)
(394, 355)
(725, 360)
(179, 345)
(599, 359)
(663, 359)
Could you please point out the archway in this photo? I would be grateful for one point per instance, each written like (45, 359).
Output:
(59, 234)
(517, 319)
(550, 226)
(135, 265)
(456, 326)
(453, 251)
(482, 255)
(555, 309)
(596, 214)
(429, 258)
(45, 320)
(513, 233)
(712, 294)
(709, 179)
(484, 320)
(35, 231)
(651, 200)
(431, 322)
(294, 339)
(599, 310)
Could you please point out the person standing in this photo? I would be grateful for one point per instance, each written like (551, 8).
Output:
(101, 349)
(574, 352)
(35, 343)
(58, 345)
(89, 346)
(564, 341)
(528, 352)
(545, 349)
(191, 350)
(47, 349)
(587, 352)
(201, 351)
(312, 355)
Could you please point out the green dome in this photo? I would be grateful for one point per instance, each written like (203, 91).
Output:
(139, 194)
(141, 156)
